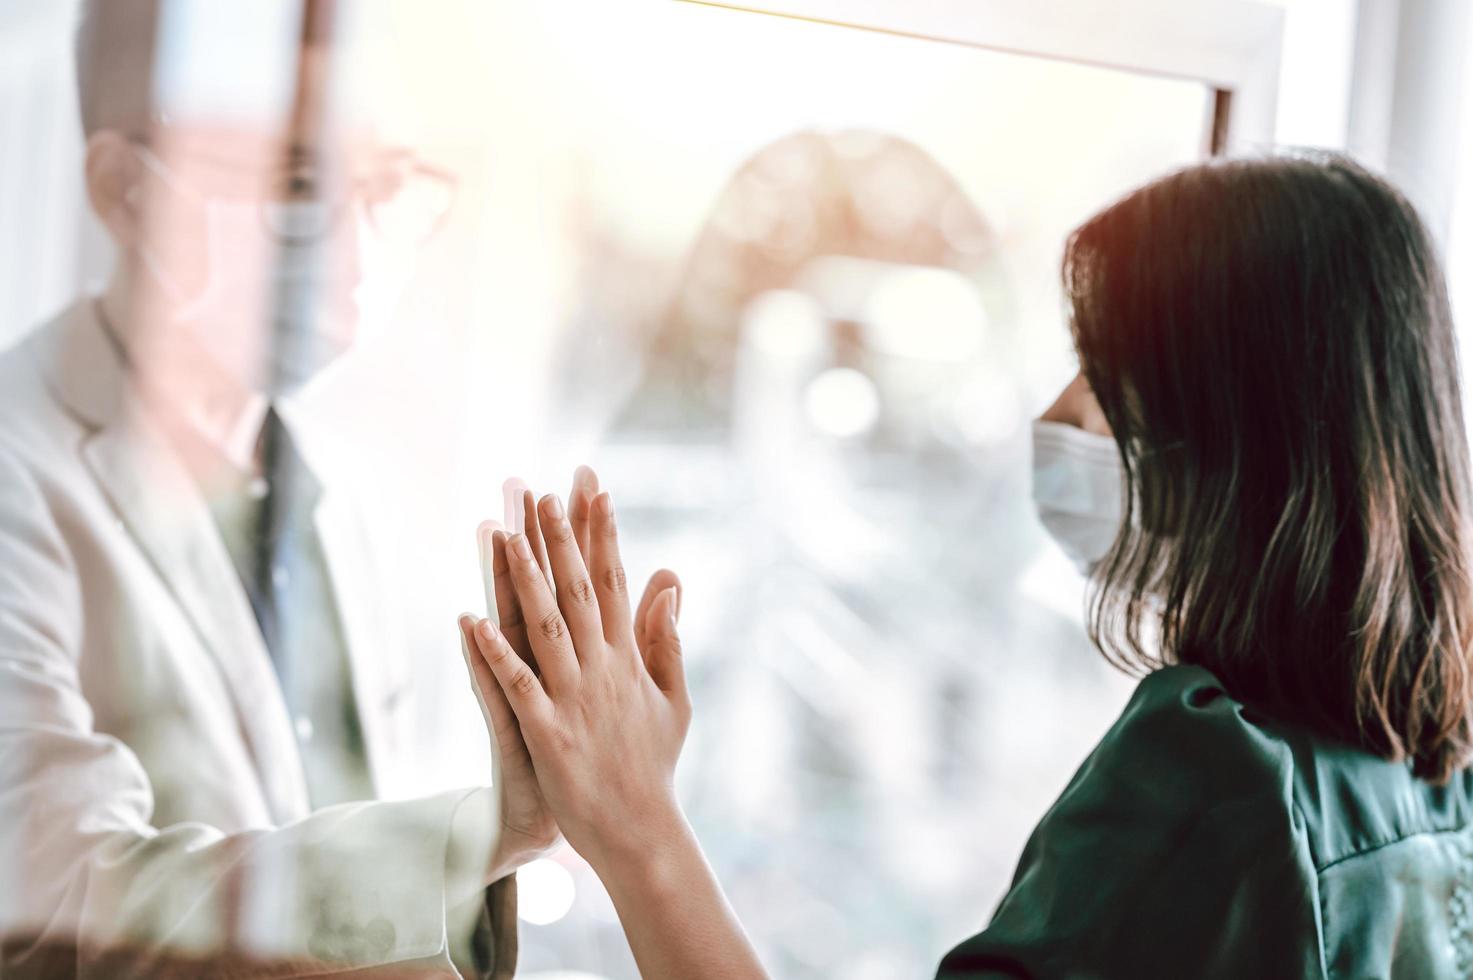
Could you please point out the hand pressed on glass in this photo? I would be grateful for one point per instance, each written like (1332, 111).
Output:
(527, 826)
(601, 708)
(605, 713)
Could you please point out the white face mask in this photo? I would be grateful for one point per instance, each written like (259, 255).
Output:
(247, 280)
(1078, 490)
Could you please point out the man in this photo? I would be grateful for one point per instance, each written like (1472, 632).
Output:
(198, 694)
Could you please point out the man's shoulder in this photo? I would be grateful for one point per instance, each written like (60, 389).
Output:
(34, 421)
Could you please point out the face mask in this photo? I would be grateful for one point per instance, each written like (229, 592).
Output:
(1078, 488)
(243, 278)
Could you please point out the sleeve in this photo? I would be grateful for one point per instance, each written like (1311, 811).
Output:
(89, 888)
(494, 937)
(1175, 851)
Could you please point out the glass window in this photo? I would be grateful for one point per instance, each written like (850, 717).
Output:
(793, 290)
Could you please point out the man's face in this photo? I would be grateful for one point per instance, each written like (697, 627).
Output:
(242, 257)
(259, 256)
(270, 310)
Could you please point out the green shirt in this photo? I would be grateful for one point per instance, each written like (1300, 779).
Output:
(1199, 839)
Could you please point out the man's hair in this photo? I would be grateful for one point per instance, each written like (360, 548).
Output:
(114, 61)
(1272, 344)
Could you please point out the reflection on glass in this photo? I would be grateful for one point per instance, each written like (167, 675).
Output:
(792, 289)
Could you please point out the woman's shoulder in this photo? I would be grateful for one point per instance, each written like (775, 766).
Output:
(1186, 730)
(1176, 842)
(1187, 694)
(1197, 832)
(1185, 763)
(1343, 800)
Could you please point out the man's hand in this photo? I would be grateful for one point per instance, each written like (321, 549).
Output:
(528, 829)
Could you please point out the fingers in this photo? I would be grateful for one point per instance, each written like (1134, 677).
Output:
(524, 693)
(475, 667)
(578, 554)
(495, 708)
(547, 631)
(485, 542)
(512, 491)
(521, 517)
(533, 530)
(580, 502)
(658, 583)
(513, 625)
(664, 659)
(575, 595)
(607, 570)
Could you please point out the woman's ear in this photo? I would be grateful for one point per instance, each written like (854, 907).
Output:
(114, 185)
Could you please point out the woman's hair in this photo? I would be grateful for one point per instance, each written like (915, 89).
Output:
(1271, 342)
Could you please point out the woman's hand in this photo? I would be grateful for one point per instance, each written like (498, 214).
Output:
(604, 713)
(602, 704)
(528, 829)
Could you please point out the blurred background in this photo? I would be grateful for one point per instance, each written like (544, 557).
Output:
(791, 287)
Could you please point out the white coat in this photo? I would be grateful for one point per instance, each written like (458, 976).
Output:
(153, 810)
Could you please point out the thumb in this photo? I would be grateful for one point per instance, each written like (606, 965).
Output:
(663, 655)
(658, 583)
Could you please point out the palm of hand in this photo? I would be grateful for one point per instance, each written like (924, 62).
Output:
(525, 816)
(528, 826)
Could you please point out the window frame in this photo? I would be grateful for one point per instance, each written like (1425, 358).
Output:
(1233, 47)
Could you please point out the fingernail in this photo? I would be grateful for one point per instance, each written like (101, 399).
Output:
(487, 631)
(521, 548)
(670, 604)
(554, 507)
(605, 505)
(463, 618)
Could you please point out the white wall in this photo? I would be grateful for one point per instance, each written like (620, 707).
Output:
(1315, 78)
(1460, 236)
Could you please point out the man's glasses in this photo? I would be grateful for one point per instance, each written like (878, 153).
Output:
(402, 199)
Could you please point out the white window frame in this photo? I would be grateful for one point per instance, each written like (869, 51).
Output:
(1232, 47)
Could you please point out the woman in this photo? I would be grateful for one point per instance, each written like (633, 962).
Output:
(1284, 795)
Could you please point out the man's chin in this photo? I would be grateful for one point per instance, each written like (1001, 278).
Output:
(295, 366)
(294, 377)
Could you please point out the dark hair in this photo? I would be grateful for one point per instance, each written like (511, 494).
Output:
(114, 62)
(1271, 342)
